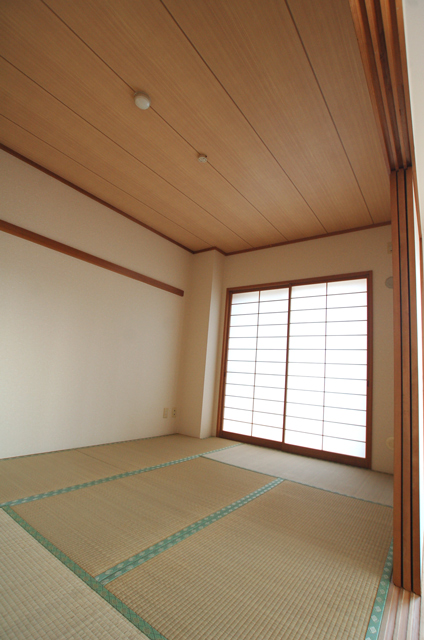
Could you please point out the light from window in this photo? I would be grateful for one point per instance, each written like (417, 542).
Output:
(296, 368)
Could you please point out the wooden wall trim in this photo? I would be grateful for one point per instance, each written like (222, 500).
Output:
(211, 249)
(162, 235)
(408, 112)
(287, 242)
(90, 195)
(20, 232)
(406, 513)
(324, 455)
(380, 33)
(397, 391)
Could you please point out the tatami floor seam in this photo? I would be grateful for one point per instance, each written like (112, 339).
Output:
(147, 554)
(132, 611)
(113, 600)
(92, 483)
(304, 484)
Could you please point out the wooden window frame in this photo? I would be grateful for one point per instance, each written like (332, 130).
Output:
(313, 453)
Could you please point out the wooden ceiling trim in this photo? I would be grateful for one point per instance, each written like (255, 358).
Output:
(158, 58)
(47, 159)
(339, 73)
(244, 43)
(380, 51)
(378, 37)
(103, 100)
(363, 35)
(388, 11)
(404, 68)
(25, 234)
(323, 235)
(212, 249)
(77, 139)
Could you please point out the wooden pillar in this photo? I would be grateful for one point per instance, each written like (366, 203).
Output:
(406, 561)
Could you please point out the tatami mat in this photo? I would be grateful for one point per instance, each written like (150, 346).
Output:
(41, 599)
(296, 563)
(102, 525)
(30, 475)
(137, 454)
(340, 478)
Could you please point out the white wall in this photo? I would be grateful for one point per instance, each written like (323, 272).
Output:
(87, 356)
(200, 357)
(347, 253)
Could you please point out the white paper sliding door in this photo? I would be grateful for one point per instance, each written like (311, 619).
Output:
(297, 366)
(256, 365)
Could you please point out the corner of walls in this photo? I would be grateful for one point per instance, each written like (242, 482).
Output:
(200, 344)
(89, 356)
(365, 250)
(207, 427)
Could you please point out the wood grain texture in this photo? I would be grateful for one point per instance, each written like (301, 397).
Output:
(378, 24)
(397, 390)
(300, 161)
(256, 44)
(388, 14)
(323, 235)
(406, 385)
(25, 234)
(373, 12)
(90, 184)
(413, 269)
(339, 72)
(407, 542)
(405, 82)
(363, 34)
(157, 57)
(89, 147)
(106, 102)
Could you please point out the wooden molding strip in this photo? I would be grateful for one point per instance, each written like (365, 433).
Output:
(406, 511)
(318, 237)
(382, 47)
(211, 249)
(19, 232)
(126, 215)
(90, 195)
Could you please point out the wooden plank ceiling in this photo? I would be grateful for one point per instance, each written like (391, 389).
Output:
(272, 91)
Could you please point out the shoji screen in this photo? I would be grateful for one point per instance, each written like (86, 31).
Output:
(297, 366)
(256, 364)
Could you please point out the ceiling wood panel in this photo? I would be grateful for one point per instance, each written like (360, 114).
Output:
(254, 49)
(158, 58)
(51, 159)
(272, 91)
(77, 139)
(341, 77)
(79, 79)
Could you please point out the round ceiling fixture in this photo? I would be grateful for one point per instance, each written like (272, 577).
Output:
(202, 157)
(142, 100)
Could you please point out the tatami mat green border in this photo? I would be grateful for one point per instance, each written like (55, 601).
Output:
(115, 602)
(97, 584)
(138, 559)
(92, 483)
(304, 484)
(380, 599)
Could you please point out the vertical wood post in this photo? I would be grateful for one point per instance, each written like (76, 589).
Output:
(407, 564)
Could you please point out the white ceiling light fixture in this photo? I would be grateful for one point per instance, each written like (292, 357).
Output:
(142, 100)
(202, 157)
